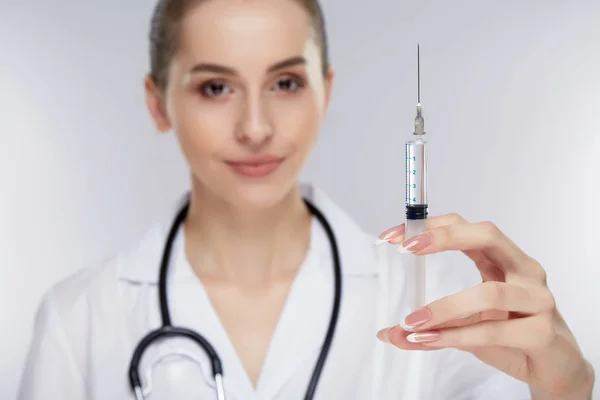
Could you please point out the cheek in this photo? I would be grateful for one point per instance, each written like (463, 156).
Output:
(298, 119)
(202, 128)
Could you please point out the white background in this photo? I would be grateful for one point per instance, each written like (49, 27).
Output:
(511, 92)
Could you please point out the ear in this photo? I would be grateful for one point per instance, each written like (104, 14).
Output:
(156, 105)
(329, 85)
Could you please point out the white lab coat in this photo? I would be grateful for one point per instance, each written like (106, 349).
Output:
(88, 325)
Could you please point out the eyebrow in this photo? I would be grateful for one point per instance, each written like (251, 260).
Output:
(221, 69)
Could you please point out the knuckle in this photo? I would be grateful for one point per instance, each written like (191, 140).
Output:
(451, 339)
(494, 294)
(455, 218)
(446, 306)
(547, 300)
(492, 232)
(538, 272)
(454, 339)
(493, 335)
(444, 234)
(544, 332)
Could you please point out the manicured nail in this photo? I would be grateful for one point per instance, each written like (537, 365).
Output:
(407, 249)
(381, 241)
(390, 234)
(424, 337)
(417, 243)
(383, 335)
(417, 318)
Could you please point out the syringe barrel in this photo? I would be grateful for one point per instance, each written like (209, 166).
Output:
(416, 171)
(416, 217)
(415, 282)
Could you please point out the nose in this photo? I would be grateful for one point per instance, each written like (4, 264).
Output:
(254, 128)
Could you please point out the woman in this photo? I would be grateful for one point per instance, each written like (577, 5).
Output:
(245, 86)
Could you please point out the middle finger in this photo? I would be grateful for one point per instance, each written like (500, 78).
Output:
(488, 296)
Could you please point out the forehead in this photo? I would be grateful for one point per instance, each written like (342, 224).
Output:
(244, 32)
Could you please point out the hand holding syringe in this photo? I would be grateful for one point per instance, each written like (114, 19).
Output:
(514, 287)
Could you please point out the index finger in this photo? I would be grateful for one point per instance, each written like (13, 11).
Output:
(484, 238)
(395, 235)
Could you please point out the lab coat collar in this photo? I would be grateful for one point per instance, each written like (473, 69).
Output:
(357, 255)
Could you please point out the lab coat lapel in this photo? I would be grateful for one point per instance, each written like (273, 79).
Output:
(299, 336)
(303, 324)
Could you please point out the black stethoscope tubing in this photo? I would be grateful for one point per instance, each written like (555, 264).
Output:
(168, 330)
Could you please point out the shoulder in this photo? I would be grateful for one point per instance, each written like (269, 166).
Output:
(91, 304)
(66, 305)
(62, 327)
(98, 291)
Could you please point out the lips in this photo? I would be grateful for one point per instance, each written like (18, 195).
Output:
(256, 167)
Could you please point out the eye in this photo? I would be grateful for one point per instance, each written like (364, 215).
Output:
(289, 84)
(213, 89)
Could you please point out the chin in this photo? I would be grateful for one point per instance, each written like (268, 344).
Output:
(258, 195)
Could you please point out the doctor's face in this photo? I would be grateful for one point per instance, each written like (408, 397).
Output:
(245, 96)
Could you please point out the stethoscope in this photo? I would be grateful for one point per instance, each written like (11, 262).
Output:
(168, 330)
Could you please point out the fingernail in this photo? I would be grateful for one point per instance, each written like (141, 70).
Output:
(390, 234)
(417, 318)
(417, 243)
(424, 337)
(383, 335)
(407, 249)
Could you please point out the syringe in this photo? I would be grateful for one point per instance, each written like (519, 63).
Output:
(416, 200)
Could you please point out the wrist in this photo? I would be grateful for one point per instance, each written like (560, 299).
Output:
(584, 389)
(590, 381)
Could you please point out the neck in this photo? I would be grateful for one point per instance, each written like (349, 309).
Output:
(249, 247)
